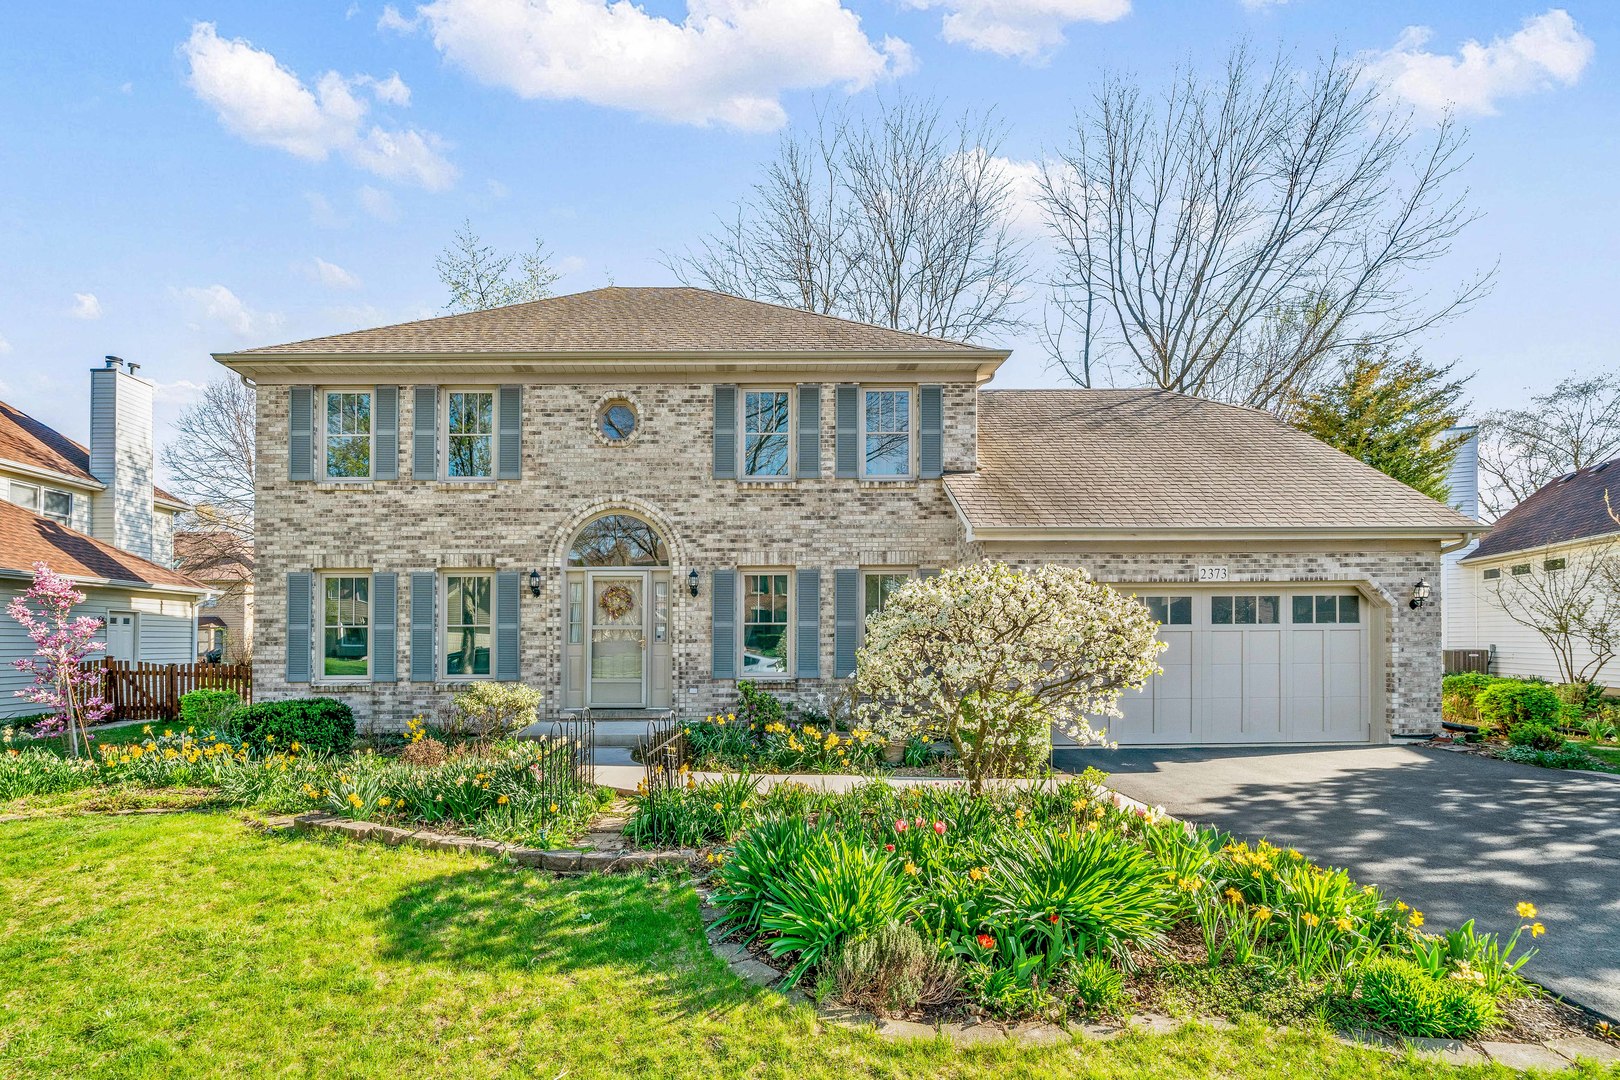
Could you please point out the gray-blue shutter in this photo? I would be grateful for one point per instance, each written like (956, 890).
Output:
(725, 434)
(425, 434)
(300, 433)
(807, 646)
(385, 432)
(723, 610)
(930, 432)
(506, 625)
(809, 463)
(508, 433)
(384, 627)
(847, 421)
(300, 616)
(846, 621)
(424, 666)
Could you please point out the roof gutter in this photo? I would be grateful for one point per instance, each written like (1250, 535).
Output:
(38, 473)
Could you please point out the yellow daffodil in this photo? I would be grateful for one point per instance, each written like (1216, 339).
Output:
(1262, 914)
(911, 868)
(1311, 919)
(1536, 930)
(1233, 896)
(1416, 919)
(1527, 910)
(1343, 923)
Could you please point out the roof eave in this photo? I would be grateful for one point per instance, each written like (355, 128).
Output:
(255, 364)
(56, 476)
(1610, 537)
(112, 583)
(1050, 533)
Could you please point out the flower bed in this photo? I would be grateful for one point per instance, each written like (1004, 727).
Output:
(1056, 904)
(509, 790)
(765, 734)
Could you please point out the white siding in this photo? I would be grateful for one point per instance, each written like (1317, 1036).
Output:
(1458, 598)
(1478, 623)
(167, 633)
(163, 538)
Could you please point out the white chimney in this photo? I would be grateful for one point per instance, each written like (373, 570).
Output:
(121, 457)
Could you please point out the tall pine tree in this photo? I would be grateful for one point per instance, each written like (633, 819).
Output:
(1392, 413)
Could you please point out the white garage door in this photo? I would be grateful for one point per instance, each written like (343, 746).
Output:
(1261, 665)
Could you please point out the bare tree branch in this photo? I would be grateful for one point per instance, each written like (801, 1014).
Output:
(1231, 238)
(1574, 425)
(210, 460)
(478, 277)
(903, 221)
(1574, 608)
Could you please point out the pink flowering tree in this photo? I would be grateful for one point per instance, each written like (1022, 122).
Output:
(62, 644)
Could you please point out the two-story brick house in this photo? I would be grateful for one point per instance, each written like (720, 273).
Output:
(632, 498)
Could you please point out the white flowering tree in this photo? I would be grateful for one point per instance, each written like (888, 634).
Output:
(994, 656)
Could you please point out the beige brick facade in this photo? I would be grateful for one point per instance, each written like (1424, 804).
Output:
(664, 475)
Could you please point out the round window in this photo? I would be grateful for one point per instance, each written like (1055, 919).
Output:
(616, 420)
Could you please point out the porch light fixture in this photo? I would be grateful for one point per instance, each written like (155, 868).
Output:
(692, 583)
(534, 583)
(1420, 594)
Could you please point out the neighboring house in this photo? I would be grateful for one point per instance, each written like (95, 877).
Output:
(1565, 521)
(224, 562)
(94, 515)
(632, 498)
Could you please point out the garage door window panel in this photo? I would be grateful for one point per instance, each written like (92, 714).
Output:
(1244, 610)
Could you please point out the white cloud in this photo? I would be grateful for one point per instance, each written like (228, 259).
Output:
(85, 306)
(218, 305)
(391, 19)
(179, 393)
(329, 274)
(261, 101)
(1027, 29)
(1549, 50)
(378, 203)
(392, 89)
(728, 62)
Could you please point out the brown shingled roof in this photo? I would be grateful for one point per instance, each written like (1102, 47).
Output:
(1570, 508)
(1152, 460)
(622, 320)
(29, 442)
(27, 538)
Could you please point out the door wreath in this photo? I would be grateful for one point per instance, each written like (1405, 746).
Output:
(616, 601)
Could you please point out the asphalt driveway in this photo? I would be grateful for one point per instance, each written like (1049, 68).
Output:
(1454, 835)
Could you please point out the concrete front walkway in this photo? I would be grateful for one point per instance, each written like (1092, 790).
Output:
(1455, 835)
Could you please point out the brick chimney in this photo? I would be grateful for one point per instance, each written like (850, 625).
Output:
(121, 457)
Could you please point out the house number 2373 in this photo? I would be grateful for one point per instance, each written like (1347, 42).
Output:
(1212, 573)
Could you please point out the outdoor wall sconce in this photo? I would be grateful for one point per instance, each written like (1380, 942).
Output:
(1420, 594)
(534, 583)
(692, 583)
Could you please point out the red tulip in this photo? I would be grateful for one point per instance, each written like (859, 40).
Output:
(939, 827)
(986, 941)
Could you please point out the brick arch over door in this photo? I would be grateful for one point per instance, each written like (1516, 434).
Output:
(678, 555)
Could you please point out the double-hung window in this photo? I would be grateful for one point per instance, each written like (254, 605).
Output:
(469, 418)
(347, 432)
(886, 434)
(765, 433)
(879, 587)
(469, 622)
(346, 626)
(25, 496)
(59, 506)
(765, 624)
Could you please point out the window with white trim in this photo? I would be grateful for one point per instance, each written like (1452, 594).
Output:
(1170, 610)
(886, 434)
(1521, 569)
(347, 434)
(346, 626)
(25, 496)
(765, 433)
(1244, 610)
(1492, 574)
(469, 429)
(766, 624)
(877, 587)
(469, 625)
(1336, 608)
(58, 506)
(1549, 565)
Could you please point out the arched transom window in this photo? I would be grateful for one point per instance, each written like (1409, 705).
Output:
(618, 540)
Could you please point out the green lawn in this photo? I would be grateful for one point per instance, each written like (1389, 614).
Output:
(1606, 752)
(190, 945)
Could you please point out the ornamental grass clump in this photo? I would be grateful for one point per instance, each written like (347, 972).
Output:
(1398, 995)
(994, 656)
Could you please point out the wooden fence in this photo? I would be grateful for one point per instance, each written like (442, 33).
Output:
(140, 691)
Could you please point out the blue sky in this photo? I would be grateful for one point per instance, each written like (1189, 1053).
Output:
(178, 179)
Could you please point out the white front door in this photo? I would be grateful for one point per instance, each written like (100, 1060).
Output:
(121, 643)
(617, 639)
